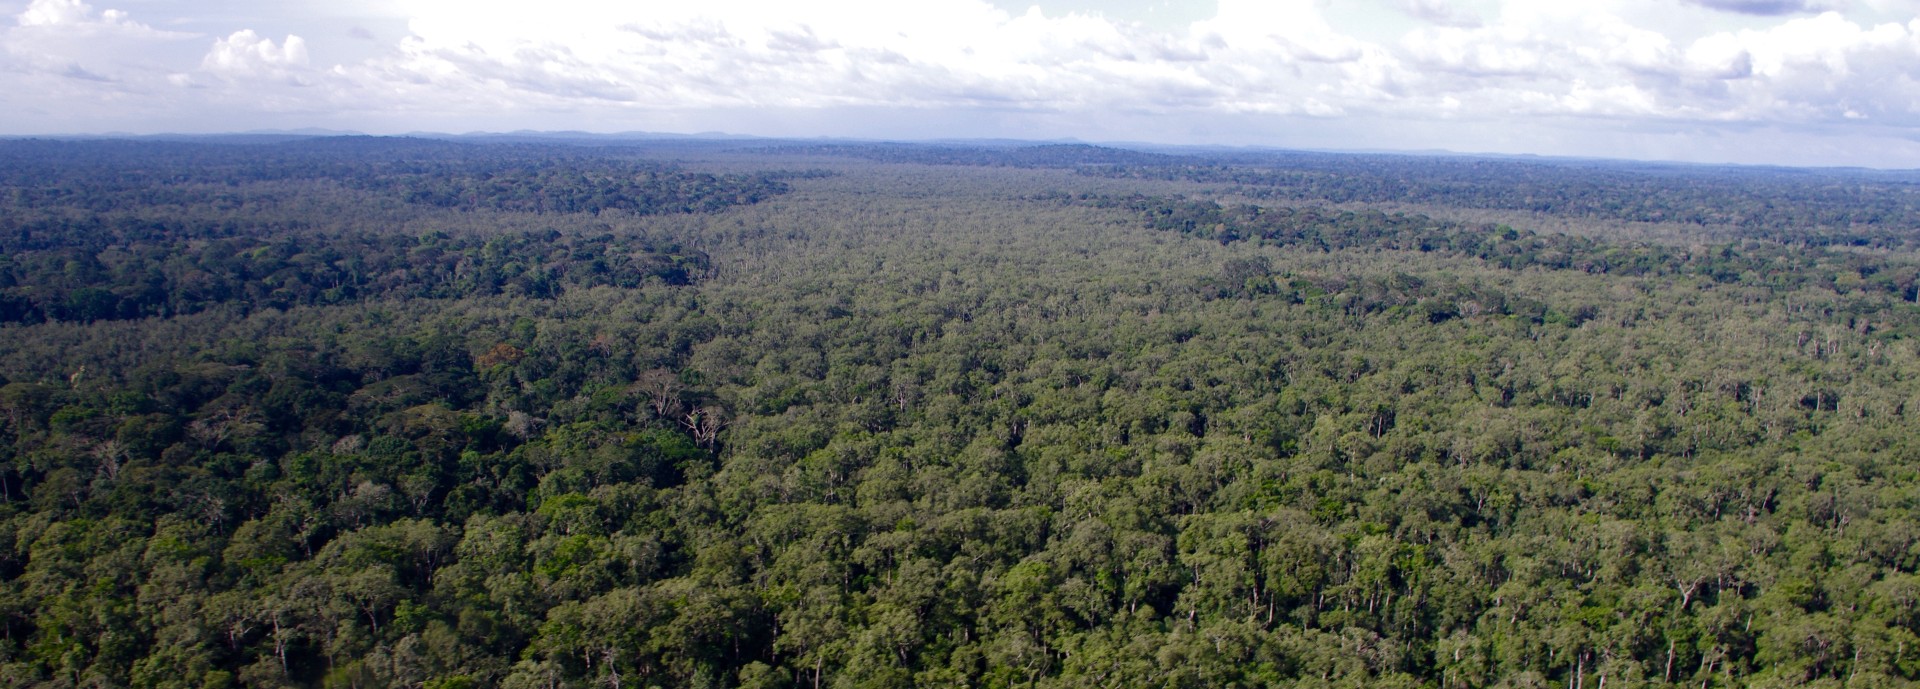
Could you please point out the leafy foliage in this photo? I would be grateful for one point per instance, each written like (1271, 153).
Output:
(1816, 207)
(165, 277)
(909, 425)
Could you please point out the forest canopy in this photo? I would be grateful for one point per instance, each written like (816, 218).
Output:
(365, 412)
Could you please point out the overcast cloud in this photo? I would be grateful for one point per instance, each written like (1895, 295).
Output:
(1783, 81)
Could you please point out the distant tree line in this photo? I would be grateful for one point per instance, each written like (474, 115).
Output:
(1883, 289)
(104, 176)
(1797, 207)
(162, 278)
(1790, 206)
(1042, 156)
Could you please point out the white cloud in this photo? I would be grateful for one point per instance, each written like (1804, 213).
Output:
(931, 54)
(1262, 56)
(245, 52)
(1720, 56)
(55, 12)
(1442, 12)
(1651, 63)
(78, 17)
(67, 52)
(1823, 68)
(1277, 57)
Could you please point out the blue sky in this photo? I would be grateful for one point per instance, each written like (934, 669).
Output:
(1802, 82)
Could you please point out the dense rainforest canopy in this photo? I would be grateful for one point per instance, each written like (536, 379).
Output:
(364, 412)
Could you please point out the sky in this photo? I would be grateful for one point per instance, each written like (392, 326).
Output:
(1794, 82)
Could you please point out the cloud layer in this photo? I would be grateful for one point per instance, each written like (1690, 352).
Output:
(1597, 69)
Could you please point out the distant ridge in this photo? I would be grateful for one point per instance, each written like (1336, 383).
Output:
(1232, 154)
